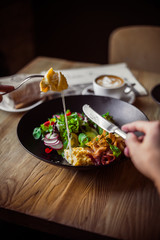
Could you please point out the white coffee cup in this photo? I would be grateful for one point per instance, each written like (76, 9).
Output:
(111, 86)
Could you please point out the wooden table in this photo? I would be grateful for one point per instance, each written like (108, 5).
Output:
(118, 201)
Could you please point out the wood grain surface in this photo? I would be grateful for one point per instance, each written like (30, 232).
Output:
(116, 201)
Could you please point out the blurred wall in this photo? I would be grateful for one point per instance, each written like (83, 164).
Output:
(17, 45)
(72, 30)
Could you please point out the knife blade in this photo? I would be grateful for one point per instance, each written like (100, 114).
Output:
(102, 122)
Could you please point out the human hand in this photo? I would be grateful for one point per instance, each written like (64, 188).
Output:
(5, 89)
(145, 150)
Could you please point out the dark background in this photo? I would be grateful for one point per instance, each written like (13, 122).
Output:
(76, 30)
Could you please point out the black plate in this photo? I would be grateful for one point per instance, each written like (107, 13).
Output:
(121, 111)
(156, 93)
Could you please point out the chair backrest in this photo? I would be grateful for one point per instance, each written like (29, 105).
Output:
(138, 46)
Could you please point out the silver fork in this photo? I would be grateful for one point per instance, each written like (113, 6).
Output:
(23, 82)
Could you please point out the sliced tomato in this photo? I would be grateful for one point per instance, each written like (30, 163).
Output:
(68, 114)
(47, 123)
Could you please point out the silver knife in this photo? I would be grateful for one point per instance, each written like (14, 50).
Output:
(102, 122)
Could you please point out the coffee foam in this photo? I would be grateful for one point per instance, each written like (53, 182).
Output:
(110, 81)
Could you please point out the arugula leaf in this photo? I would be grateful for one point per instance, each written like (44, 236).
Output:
(116, 151)
(108, 117)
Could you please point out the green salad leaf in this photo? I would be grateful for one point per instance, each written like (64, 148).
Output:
(37, 133)
(108, 117)
(74, 124)
(116, 151)
(83, 139)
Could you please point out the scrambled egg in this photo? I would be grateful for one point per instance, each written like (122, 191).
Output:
(79, 156)
(54, 81)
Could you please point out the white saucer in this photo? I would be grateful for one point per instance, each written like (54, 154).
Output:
(8, 106)
(129, 98)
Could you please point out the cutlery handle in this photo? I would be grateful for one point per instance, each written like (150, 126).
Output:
(120, 133)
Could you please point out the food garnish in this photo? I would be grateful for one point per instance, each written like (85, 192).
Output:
(90, 144)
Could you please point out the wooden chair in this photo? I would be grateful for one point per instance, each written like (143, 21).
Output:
(138, 46)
